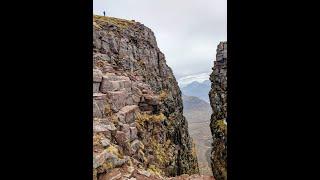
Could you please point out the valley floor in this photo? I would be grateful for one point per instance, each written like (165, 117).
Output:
(201, 135)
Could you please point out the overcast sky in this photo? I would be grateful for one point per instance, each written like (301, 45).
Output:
(187, 31)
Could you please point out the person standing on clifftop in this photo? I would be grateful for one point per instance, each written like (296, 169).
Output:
(104, 13)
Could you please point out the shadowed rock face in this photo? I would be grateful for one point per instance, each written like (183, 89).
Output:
(139, 129)
(218, 101)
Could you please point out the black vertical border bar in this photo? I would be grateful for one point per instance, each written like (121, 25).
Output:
(85, 47)
(233, 96)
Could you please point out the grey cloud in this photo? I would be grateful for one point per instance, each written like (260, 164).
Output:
(187, 31)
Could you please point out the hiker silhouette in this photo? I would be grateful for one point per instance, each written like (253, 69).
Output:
(104, 13)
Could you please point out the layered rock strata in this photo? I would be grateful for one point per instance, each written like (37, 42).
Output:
(139, 130)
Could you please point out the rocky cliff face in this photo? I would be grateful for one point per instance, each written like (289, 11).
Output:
(139, 129)
(218, 101)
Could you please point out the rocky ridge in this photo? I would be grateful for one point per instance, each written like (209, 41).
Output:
(139, 131)
(218, 101)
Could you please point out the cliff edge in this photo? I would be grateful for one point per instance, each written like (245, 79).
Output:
(139, 129)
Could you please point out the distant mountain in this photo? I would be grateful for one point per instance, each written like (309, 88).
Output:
(185, 80)
(198, 89)
(196, 109)
(194, 103)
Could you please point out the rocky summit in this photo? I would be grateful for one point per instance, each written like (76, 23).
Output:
(139, 131)
(218, 125)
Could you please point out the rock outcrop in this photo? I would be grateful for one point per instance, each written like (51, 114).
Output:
(218, 124)
(139, 129)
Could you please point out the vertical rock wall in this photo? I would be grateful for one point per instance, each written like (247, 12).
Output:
(139, 129)
(218, 101)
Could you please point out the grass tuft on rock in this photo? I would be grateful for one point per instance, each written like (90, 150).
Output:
(121, 23)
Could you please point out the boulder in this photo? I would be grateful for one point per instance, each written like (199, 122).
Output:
(105, 142)
(136, 98)
(105, 122)
(104, 126)
(144, 172)
(96, 87)
(96, 40)
(125, 84)
(133, 133)
(135, 145)
(152, 100)
(127, 113)
(117, 99)
(145, 107)
(129, 100)
(114, 174)
(136, 90)
(99, 100)
(97, 75)
(99, 56)
(98, 127)
(99, 159)
(112, 82)
(108, 85)
(108, 69)
(115, 161)
(96, 110)
(126, 129)
(122, 137)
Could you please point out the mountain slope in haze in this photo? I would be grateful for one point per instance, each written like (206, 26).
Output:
(198, 113)
(198, 89)
(196, 109)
